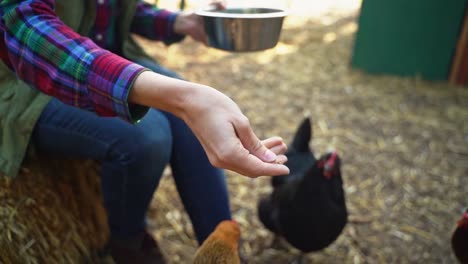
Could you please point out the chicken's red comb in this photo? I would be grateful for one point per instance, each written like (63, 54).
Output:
(330, 164)
(464, 221)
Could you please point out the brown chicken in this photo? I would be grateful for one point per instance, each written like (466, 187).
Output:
(222, 246)
(460, 239)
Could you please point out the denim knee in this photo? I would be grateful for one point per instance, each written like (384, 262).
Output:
(153, 152)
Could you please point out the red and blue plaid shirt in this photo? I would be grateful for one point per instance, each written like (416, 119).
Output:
(78, 70)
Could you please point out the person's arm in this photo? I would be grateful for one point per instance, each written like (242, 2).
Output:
(218, 123)
(160, 24)
(154, 23)
(51, 57)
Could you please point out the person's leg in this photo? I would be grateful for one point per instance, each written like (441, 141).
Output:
(201, 186)
(132, 159)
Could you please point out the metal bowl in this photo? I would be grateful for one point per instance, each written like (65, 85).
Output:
(243, 29)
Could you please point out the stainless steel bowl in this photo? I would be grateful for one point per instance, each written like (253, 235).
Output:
(243, 29)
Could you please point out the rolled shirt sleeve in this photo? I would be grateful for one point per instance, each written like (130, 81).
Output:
(51, 57)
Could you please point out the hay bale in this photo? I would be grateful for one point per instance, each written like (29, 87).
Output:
(52, 213)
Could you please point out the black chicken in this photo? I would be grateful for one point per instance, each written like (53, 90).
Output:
(460, 239)
(307, 207)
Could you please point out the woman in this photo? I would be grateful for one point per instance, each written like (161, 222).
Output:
(107, 100)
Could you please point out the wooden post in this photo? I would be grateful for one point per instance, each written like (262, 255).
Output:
(459, 72)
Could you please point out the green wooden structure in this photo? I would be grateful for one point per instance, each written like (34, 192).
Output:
(408, 37)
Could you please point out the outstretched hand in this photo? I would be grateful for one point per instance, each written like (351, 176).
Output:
(228, 139)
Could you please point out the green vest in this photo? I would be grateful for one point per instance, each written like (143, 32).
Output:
(21, 105)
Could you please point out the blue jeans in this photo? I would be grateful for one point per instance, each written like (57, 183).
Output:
(133, 158)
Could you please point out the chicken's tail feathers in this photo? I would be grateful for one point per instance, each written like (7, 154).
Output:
(302, 137)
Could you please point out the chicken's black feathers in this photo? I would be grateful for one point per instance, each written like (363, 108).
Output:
(306, 207)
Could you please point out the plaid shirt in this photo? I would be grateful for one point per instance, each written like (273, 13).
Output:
(78, 70)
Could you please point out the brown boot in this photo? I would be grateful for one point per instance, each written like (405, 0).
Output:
(142, 249)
